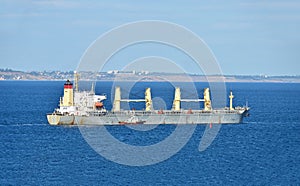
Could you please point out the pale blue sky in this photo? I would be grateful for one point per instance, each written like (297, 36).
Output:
(247, 37)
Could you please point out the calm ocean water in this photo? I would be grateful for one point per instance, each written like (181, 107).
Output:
(263, 151)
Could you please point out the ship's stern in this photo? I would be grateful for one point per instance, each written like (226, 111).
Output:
(56, 119)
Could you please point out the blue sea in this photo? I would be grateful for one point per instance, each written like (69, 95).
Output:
(264, 150)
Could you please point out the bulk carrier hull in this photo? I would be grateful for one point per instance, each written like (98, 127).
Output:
(86, 108)
(215, 117)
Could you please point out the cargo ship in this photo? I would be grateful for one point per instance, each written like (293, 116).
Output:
(86, 108)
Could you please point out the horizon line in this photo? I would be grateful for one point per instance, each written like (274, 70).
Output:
(149, 72)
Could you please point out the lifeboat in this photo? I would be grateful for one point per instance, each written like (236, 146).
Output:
(98, 104)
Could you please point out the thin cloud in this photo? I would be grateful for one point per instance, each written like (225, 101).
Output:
(86, 5)
(57, 3)
(232, 25)
(272, 4)
(17, 15)
(88, 23)
(283, 17)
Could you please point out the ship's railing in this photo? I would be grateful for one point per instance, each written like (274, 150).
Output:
(169, 112)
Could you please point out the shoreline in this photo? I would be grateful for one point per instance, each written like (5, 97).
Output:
(178, 80)
(11, 75)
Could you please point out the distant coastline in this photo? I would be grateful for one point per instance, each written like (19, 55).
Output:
(8, 74)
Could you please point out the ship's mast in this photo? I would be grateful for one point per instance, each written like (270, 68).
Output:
(207, 102)
(230, 101)
(148, 100)
(177, 99)
(76, 79)
(118, 100)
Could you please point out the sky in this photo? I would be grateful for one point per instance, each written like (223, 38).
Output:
(250, 37)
